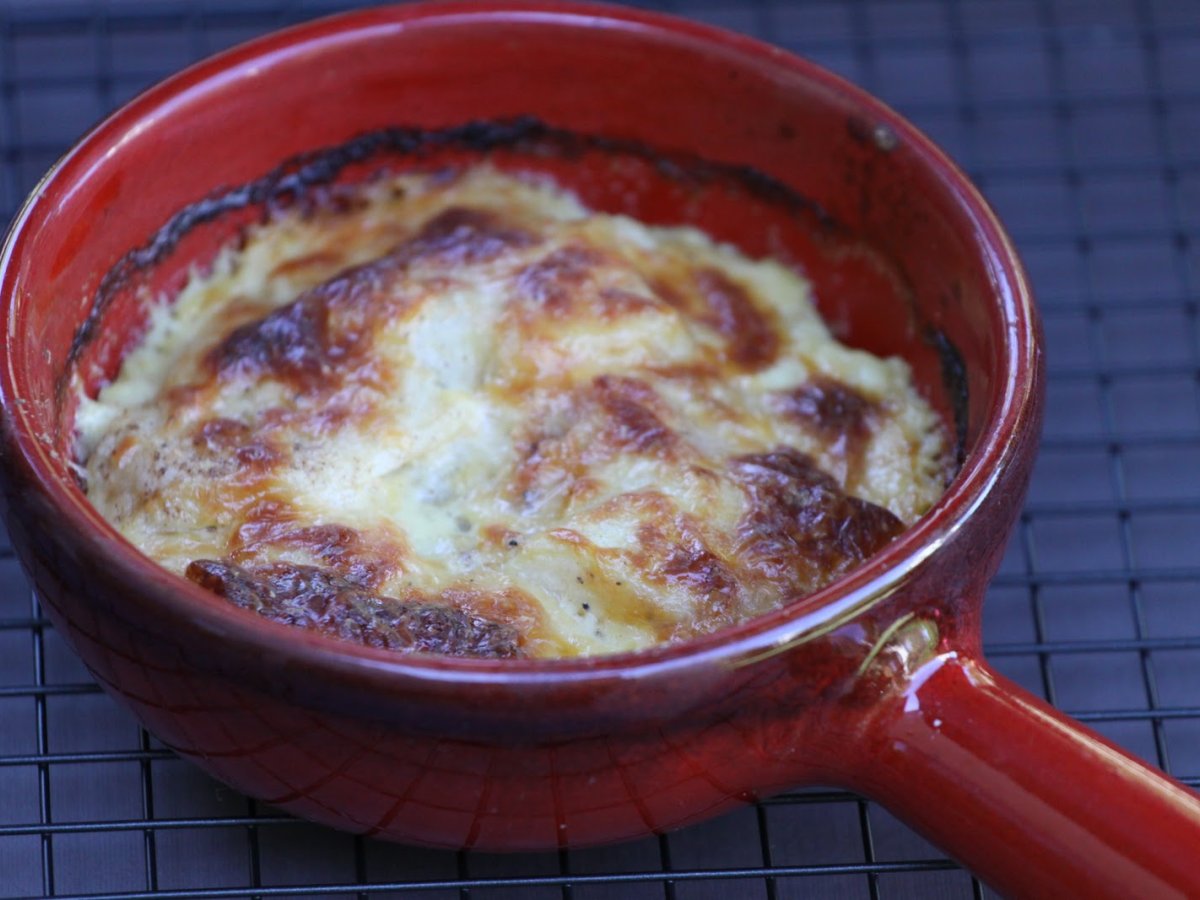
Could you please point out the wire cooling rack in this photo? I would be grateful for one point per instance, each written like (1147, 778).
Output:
(1080, 120)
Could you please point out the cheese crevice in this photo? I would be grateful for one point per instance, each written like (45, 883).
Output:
(458, 412)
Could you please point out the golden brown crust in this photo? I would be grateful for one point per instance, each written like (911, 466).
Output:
(752, 339)
(841, 417)
(801, 530)
(464, 236)
(631, 424)
(553, 282)
(323, 336)
(273, 527)
(585, 434)
(313, 341)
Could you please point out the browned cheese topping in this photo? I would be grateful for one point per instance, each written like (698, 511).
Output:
(460, 413)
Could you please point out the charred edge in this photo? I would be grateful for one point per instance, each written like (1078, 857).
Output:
(318, 600)
(954, 379)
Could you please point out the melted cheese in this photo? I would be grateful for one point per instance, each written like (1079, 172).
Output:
(467, 388)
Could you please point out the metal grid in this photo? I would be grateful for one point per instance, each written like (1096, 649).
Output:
(1079, 118)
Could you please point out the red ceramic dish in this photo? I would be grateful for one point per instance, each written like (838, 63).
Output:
(876, 683)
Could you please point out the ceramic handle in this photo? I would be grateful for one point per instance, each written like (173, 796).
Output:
(1033, 802)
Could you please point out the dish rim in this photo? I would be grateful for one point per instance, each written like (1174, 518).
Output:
(189, 605)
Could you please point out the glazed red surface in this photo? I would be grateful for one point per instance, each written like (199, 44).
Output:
(876, 682)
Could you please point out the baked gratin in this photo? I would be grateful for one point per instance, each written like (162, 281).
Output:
(459, 412)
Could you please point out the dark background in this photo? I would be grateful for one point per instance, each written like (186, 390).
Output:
(1080, 119)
